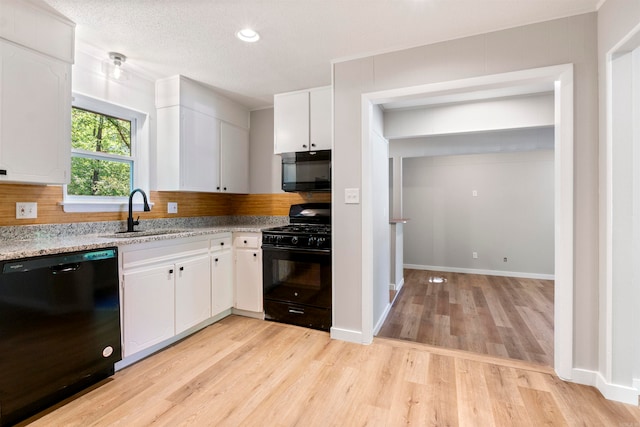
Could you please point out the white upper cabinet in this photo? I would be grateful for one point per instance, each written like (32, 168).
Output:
(320, 129)
(35, 95)
(302, 121)
(234, 152)
(188, 150)
(203, 139)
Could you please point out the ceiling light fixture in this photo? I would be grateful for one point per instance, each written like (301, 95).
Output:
(248, 35)
(113, 68)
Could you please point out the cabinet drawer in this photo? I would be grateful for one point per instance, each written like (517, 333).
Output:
(252, 242)
(163, 251)
(220, 243)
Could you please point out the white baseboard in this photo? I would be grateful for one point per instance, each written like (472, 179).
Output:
(380, 322)
(246, 313)
(398, 286)
(610, 391)
(479, 271)
(347, 335)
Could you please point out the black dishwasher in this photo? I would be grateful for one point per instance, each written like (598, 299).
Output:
(59, 328)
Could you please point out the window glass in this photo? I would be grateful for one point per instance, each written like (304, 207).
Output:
(101, 162)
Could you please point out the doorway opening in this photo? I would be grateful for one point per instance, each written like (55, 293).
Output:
(376, 285)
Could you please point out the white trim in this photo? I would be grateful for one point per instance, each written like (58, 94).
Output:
(397, 286)
(366, 200)
(564, 223)
(608, 274)
(625, 46)
(348, 335)
(610, 391)
(636, 384)
(101, 206)
(563, 216)
(139, 137)
(502, 273)
(382, 319)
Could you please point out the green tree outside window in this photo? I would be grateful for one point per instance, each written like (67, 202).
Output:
(101, 155)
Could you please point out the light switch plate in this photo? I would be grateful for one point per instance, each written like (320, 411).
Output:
(352, 196)
(26, 210)
(172, 207)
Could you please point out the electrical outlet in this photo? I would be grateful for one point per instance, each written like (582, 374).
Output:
(172, 207)
(475, 255)
(504, 259)
(352, 196)
(26, 210)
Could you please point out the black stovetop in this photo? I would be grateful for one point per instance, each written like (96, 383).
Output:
(310, 228)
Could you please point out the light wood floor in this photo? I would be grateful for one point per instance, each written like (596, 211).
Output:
(248, 372)
(499, 316)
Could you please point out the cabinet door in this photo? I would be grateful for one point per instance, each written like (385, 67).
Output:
(200, 145)
(291, 121)
(148, 300)
(35, 117)
(320, 129)
(193, 292)
(221, 282)
(249, 280)
(234, 159)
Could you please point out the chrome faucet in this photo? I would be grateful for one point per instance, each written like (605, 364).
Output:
(130, 222)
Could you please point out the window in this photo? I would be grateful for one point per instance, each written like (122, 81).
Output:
(105, 167)
(101, 162)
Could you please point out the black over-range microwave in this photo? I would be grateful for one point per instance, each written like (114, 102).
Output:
(306, 171)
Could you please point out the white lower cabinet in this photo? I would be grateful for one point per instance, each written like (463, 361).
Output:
(171, 286)
(193, 292)
(221, 275)
(166, 289)
(248, 271)
(148, 302)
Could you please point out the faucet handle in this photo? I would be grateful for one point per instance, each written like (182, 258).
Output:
(137, 221)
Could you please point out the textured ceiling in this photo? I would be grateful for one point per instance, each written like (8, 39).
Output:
(299, 38)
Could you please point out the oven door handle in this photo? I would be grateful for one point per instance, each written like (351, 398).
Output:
(269, 248)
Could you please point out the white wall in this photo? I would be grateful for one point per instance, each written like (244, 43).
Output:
(136, 93)
(511, 215)
(265, 167)
(477, 116)
(502, 141)
(567, 40)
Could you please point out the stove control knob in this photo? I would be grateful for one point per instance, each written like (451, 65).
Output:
(294, 240)
(321, 241)
(312, 241)
(278, 239)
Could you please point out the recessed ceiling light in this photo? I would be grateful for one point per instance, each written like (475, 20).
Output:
(248, 35)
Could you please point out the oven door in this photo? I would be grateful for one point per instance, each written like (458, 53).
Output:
(297, 286)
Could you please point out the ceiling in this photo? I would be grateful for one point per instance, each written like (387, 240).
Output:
(299, 38)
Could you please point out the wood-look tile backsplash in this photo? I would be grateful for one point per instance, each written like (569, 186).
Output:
(190, 204)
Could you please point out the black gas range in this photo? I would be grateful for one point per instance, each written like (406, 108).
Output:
(297, 268)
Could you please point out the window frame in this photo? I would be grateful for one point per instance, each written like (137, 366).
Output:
(73, 203)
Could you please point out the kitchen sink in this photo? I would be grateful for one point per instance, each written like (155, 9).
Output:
(147, 233)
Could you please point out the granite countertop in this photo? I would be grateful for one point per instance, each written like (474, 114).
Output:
(21, 242)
